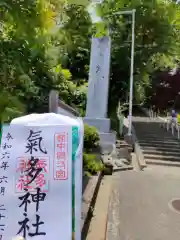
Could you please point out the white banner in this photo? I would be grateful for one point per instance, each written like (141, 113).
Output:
(36, 182)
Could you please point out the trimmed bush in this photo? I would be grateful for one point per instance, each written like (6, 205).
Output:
(92, 165)
(91, 137)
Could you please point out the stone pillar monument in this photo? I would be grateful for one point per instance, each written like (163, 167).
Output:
(98, 87)
(53, 101)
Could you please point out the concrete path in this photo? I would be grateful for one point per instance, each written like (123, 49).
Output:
(140, 205)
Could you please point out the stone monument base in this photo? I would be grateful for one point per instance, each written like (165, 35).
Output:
(103, 126)
(108, 137)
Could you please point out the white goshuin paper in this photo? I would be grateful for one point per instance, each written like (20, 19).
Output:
(58, 119)
(56, 210)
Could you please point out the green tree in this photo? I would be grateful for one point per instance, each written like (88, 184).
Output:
(27, 49)
(76, 38)
(53, 35)
(156, 43)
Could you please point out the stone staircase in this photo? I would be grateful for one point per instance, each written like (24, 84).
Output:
(158, 146)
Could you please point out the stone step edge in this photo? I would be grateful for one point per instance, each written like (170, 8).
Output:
(161, 153)
(163, 157)
(147, 148)
(163, 163)
(145, 143)
(122, 168)
(162, 141)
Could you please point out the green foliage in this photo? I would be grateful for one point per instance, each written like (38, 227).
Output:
(10, 107)
(100, 29)
(121, 109)
(76, 35)
(73, 92)
(80, 97)
(91, 137)
(26, 68)
(157, 44)
(33, 51)
(91, 164)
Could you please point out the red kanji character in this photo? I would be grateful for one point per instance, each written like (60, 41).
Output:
(61, 164)
(22, 165)
(42, 164)
(61, 137)
(20, 184)
(60, 174)
(23, 180)
(61, 155)
(40, 180)
(61, 146)
(27, 180)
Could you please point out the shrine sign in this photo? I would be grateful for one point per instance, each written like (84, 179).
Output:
(36, 182)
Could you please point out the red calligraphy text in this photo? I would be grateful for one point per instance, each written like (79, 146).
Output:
(23, 180)
(61, 154)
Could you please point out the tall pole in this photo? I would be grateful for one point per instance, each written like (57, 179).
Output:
(132, 13)
(131, 74)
